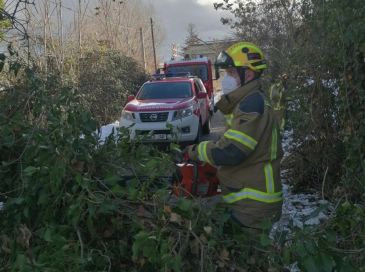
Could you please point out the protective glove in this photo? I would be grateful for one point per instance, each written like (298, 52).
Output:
(190, 153)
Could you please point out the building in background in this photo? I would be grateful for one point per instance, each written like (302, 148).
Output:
(209, 49)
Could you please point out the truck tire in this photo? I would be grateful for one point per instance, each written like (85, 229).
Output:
(212, 106)
(199, 134)
(206, 127)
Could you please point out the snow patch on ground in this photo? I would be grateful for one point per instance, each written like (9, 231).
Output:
(287, 142)
(299, 210)
(302, 209)
(107, 130)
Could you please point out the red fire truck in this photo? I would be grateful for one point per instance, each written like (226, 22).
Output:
(200, 67)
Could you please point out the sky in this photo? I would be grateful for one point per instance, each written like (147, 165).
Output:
(175, 15)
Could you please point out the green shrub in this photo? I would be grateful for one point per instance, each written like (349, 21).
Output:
(106, 80)
(72, 204)
(64, 194)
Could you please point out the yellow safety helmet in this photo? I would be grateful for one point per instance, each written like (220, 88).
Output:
(242, 54)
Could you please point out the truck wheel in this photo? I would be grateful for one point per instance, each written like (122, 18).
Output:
(199, 134)
(206, 127)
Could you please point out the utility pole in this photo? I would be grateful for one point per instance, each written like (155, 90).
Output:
(153, 45)
(142, 48)
(27, 38)
(45, 23)
(79, 26)
(60, 35)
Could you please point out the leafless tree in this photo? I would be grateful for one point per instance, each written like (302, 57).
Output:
(15, 12)
(192, 36)
(117, 24)
(57, 30)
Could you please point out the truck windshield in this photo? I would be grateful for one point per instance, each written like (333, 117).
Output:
(165, 90)
(200, 71)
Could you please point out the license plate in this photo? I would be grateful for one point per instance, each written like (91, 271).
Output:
(159, 137)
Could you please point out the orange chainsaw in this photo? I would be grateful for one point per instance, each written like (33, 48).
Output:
(196, 179)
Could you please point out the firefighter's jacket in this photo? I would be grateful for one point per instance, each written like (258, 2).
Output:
(248, 156)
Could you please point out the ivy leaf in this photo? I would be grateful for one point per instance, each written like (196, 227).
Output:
(326, 262)
(264, 240)
(21, 263)
(310, 264)
(42, 198)
(18, 200)
(117, 189)
(48, 235)
(331, 236)
(30, 170)
(311, 247)
(112, 180)
(184, 204)
(286, 256)
(172, 262)
(138, 243)
(149, 249)
(302, 252)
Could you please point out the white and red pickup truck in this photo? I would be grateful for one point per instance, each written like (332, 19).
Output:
(168, 109)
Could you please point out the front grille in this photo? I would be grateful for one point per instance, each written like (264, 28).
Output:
(145, 132)
(154, 116)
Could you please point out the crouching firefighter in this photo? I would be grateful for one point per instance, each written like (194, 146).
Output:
(248, 154)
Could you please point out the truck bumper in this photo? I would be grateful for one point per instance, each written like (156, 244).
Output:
(181, 130)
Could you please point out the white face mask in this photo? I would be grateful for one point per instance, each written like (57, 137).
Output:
(229, 84)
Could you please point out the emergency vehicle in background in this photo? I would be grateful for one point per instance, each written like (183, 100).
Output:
(200, 67)
(180, 102)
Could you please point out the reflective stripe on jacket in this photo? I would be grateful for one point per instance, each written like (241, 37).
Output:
(267, 196)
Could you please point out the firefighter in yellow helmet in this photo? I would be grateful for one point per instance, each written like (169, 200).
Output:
(249, 152)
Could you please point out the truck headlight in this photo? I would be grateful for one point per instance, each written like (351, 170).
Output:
(127, 115)
(179, 114)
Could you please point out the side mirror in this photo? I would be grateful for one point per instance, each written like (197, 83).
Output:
(130, 98)
(202, 95)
